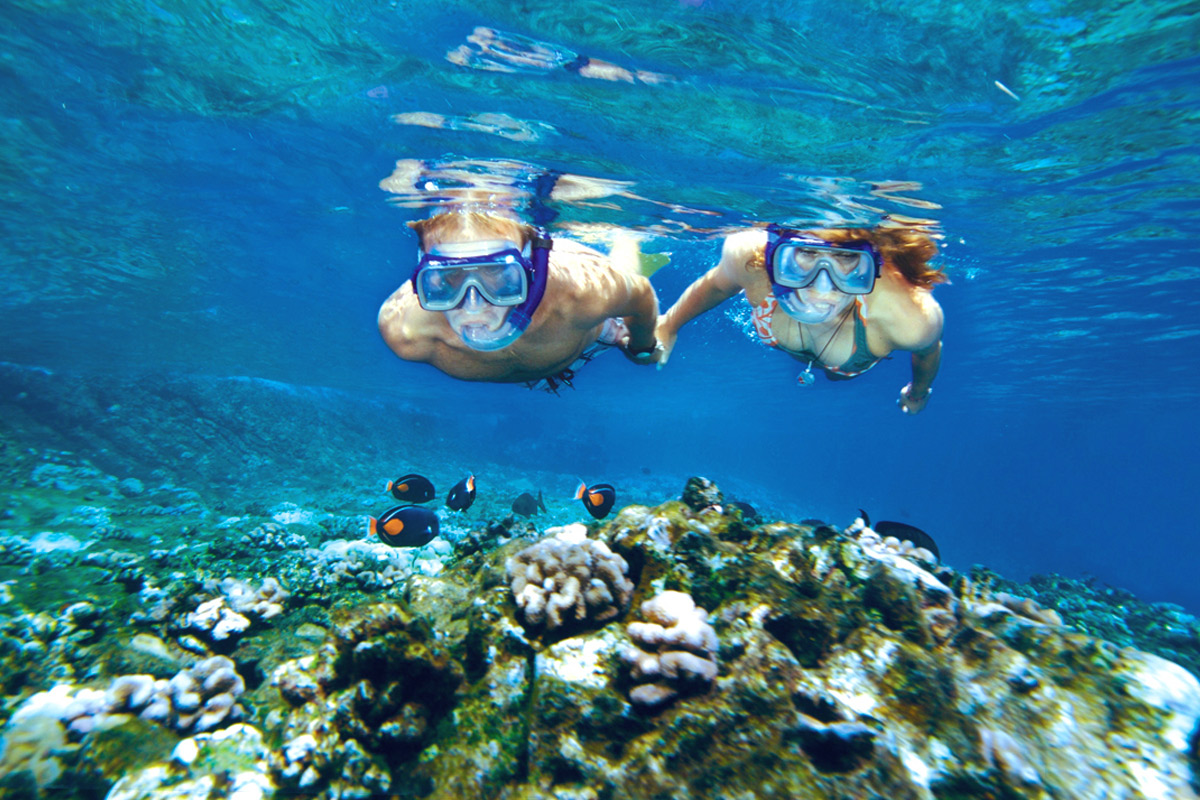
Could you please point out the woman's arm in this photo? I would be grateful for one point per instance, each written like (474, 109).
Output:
(711, 289)
(923, 338)
(925, 365)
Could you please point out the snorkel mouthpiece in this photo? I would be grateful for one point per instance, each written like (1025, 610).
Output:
(809, 313)
(479, 337)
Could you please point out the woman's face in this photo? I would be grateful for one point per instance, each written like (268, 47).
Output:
(817, 303)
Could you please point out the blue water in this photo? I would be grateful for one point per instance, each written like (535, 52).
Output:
(193, 187)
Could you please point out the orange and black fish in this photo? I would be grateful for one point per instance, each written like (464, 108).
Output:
(462, 495)
(597, 499)
(406, 526)
(412, 489)
(527, 505)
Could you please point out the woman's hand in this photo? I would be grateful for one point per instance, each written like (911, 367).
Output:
(666, 336)
(913, 404)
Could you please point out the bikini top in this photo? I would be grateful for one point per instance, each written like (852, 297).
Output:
(860, 359)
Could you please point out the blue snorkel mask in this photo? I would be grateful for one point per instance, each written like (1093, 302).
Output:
(462, 275)
(796, 260)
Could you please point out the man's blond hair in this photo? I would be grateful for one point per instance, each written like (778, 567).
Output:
(470, 225)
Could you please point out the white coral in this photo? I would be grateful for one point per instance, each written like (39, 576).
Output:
(568, 579)
(674, 653)
(265, 602)
(216, 619)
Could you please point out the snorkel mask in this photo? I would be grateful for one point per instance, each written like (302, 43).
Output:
(467, 275)
(796, 260)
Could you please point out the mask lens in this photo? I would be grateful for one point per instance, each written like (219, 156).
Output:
(441, 289)
(501, 283)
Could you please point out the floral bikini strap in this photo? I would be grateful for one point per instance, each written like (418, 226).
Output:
(760, 316)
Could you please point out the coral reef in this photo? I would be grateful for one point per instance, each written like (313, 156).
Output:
(368, 701)
(568, 580)
(33, 739)
(701, 493)
(485, 667)
(228, 763)
(201, 698)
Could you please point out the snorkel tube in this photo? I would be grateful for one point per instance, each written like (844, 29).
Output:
(536, 274)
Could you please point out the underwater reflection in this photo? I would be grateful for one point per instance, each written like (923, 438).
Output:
(505, 126)
(587, 203)
(493, 50)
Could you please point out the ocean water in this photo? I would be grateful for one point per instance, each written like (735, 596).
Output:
(193, 189)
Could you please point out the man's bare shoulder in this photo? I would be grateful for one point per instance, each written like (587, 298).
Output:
(584, 280)
(574, 263)
(405, 327)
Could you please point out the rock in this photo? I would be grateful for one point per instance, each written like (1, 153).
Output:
(701, 493)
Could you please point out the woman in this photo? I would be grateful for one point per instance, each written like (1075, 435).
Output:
(840, 299)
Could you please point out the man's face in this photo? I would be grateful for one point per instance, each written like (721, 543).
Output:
(475, 316)
(477, 283)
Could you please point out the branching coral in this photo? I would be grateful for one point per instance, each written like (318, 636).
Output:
(568, 580)
(200, 699)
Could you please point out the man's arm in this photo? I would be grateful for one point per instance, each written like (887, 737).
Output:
(612, 287)
(641, 316)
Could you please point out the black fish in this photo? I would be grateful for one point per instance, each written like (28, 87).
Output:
(406, 526)
(597, 499)
(412, 489)
(462, 495)
(904, 532)
(749, 515)
(527, 505)
(908, 533)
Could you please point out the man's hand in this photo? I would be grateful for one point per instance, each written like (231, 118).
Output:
(913, 404)
(644, 357)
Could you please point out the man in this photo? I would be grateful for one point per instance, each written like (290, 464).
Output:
(493, 299)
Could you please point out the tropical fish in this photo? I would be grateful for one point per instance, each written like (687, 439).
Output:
(598, 499)
(462, 495)
(527, 505)
(749, 515)
(904, 532)
(406, 526)
(412, 489)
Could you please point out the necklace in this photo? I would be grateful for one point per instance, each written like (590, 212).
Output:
(806, 378)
